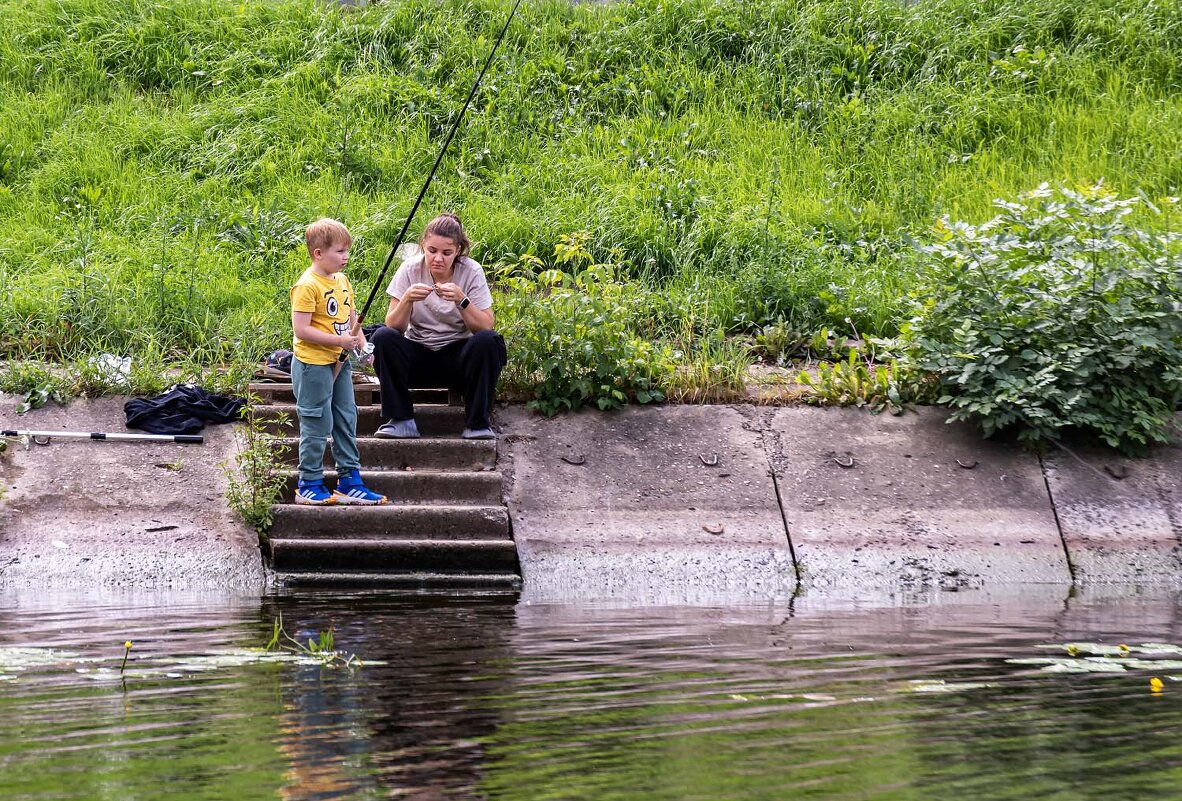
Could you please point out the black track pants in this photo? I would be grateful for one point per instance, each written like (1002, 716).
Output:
(470, 365)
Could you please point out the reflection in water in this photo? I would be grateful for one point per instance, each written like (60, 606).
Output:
(494, 697)
(412, 725)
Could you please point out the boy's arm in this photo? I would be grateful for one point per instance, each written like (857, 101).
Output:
(301, 325)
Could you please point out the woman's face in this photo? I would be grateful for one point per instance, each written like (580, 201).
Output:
(440, 253)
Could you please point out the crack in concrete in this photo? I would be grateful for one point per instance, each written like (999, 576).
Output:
(1042, 466)
(769, 438)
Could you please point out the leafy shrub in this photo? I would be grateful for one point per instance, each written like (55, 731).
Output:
(569, 336)
(1058, 313)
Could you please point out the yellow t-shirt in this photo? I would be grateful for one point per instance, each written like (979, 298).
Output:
(331, 302)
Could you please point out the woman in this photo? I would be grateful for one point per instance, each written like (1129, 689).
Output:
(439, 333)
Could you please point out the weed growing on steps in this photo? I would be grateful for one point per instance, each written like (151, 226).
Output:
(254, 479)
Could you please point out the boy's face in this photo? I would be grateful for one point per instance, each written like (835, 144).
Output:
(332, 259)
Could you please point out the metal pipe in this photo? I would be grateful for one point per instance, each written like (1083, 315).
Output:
(184, 439)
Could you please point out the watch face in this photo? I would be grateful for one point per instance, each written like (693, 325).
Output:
(464, 303)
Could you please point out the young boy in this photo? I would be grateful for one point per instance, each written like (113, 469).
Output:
(322, 316)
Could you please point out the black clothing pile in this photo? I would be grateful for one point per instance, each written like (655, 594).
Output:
(181, 409)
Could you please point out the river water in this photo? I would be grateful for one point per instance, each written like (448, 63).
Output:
(496, 696)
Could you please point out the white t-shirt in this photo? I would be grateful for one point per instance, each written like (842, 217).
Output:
(435, 322)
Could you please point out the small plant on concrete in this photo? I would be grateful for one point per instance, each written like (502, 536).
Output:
(1058, 313)
(880, 387)
(36, 383)
(254, 480)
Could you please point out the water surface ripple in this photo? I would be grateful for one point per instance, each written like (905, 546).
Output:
(495, 697)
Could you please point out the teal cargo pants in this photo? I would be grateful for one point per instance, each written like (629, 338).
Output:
(325, 407)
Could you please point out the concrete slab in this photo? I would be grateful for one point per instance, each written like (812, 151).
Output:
(904, 510)
(643, 498)
(77, 513)
(1120, 530)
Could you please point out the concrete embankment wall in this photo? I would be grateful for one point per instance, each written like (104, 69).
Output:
(769, 500)
(680, 500)
(82, 513)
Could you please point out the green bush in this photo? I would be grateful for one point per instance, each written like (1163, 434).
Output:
(569, 336)
(1058, 313)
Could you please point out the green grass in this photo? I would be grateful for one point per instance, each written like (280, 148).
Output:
(158, 159)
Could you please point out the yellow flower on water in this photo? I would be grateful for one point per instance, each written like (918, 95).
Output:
(1124, 649)
(1155, 685)
(127, 645)
(1072, 650)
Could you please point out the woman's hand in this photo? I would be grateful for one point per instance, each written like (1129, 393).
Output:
(417, 292)
(449, 291)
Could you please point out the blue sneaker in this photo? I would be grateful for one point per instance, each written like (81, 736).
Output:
(350, 490)
(313, 493)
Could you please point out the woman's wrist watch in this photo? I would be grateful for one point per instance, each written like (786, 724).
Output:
(463, 304)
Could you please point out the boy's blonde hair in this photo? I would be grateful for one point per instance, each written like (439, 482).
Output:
(326, 232)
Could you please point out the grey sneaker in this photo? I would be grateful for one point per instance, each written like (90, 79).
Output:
(398, 429)
(478, 433)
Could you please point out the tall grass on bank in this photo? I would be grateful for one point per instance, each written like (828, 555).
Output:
(159, 159)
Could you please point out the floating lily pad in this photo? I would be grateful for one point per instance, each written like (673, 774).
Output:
(250, 656)
(1153, 664)
(17, 659)
(941, 686)
(1156, 648)
(1097, 649)
(1069, 665)
(1085, 666)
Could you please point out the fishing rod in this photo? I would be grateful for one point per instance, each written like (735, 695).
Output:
(431, 175)
(38, 436)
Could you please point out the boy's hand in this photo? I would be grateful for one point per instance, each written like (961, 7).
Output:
(417, 292)
(351, 341)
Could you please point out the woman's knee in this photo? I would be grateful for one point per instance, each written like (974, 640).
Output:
(488, 344)
(385, 338)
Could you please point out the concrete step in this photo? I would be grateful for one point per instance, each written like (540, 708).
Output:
(367, 394)
(428, 453)
(398, 556)
(421, 487)
(496, 583)
(434, 420)
(383, 524)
